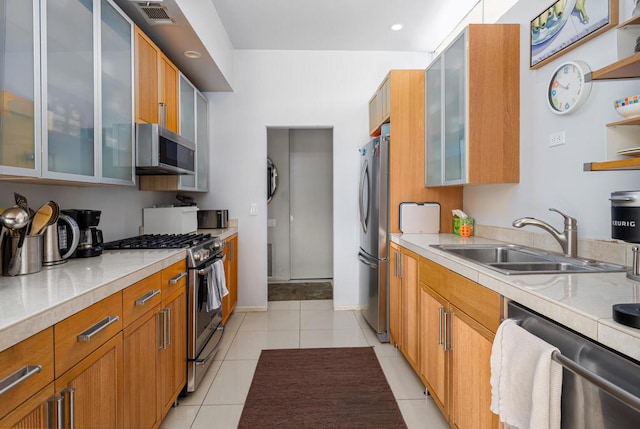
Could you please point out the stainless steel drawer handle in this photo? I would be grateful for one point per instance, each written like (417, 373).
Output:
(177, 278)
(147, 296)
(86, 335)
(18, 377)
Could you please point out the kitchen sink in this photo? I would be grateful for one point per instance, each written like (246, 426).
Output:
(514, 259)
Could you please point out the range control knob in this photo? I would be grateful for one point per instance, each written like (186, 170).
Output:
(197, 255)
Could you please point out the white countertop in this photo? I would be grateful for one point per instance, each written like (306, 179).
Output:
(33, 302)
(581, 302)
(223, 233)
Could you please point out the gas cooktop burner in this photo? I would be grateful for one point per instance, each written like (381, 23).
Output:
(159, 241)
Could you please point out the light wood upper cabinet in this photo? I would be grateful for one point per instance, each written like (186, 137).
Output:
(156, 85)
(379, 107)
(402, 93)
(146, 78)
(473, 108)
(168, 93)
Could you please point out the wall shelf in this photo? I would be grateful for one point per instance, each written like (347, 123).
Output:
(620, 164)
(626, 68)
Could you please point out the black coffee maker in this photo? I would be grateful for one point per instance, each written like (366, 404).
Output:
(90, 243)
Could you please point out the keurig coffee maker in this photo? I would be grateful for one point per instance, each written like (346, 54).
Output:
(90, 243)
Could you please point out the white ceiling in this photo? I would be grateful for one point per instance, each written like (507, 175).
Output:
(354, 25)
(340, 24)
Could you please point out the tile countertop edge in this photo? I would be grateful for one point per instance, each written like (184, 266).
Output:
(34, 322)
(595, 326)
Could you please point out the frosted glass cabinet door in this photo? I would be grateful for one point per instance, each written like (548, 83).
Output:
(19, 72)
(202, 140)
(188, 124)
(433, 150)
(455, 111)
(117, 95)
(70, 91)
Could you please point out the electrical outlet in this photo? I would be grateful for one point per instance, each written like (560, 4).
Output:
(556, 139)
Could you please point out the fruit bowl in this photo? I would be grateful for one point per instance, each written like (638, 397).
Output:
(628, 106)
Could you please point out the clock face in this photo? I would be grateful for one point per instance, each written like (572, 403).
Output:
(567, 88)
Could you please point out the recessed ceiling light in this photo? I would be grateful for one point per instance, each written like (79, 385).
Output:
(192, 54)
(396, 27)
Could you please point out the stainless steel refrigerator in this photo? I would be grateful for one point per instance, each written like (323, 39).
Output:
(374, 237)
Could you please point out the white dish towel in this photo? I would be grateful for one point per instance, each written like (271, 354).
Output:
(526, 384)
(216, 285)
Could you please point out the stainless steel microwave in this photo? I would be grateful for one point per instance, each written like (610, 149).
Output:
(160, 151)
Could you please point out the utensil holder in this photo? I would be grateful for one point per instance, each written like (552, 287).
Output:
(31, 254)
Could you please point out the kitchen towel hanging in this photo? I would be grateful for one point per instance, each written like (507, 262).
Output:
(216, 285)
(526, 384)
(419, 218)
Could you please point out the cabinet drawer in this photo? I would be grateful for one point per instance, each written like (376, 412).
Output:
(140, 297)
(84, 332)
(480, 303)
(19, 367)
(173, 278)
(434, 276)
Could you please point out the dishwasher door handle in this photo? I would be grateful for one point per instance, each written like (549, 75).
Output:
(614, 390)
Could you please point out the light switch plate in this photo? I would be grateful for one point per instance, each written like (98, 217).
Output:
(253, 209)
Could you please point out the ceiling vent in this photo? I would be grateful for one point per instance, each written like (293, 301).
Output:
(154, 12)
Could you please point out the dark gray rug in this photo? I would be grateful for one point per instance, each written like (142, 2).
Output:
(299, 291)
(341, 388)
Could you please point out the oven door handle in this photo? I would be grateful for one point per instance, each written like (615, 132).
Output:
(204, 271)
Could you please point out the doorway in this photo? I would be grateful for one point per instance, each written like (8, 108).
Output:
(300, 211)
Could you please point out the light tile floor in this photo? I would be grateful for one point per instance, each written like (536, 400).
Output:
(219, 400)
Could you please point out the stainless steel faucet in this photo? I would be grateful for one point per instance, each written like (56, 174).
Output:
(568, 239)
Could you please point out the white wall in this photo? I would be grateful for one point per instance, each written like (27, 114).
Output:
(294, 89)
(278, 208)
(121, 206)
(554, 177)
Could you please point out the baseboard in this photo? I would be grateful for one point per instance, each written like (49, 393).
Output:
(347, 307)
(250, 309)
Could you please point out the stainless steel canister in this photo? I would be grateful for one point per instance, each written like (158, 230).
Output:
(31, 254)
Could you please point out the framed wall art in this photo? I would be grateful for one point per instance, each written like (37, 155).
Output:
(566, 24)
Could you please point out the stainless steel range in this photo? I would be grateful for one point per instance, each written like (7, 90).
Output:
(204, 328)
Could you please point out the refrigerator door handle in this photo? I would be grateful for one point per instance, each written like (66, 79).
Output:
(364, 217)
(365, 261)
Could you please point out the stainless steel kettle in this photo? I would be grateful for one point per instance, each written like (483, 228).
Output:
(60, 240)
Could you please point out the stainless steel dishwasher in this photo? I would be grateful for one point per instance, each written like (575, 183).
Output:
(600, 388)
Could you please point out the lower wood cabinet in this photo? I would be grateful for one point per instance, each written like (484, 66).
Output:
(445, 324)
(92, 389)
(120, 363)
(433, 356)
(35, 412)
(395, 295)
(141, 345)
(410, 309)
(230, 252)
(155, 349)
(172, 362)
(471, 373)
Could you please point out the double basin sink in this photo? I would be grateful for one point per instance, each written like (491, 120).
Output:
(514, 259)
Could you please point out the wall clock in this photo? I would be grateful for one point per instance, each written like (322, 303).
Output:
(569, 87)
